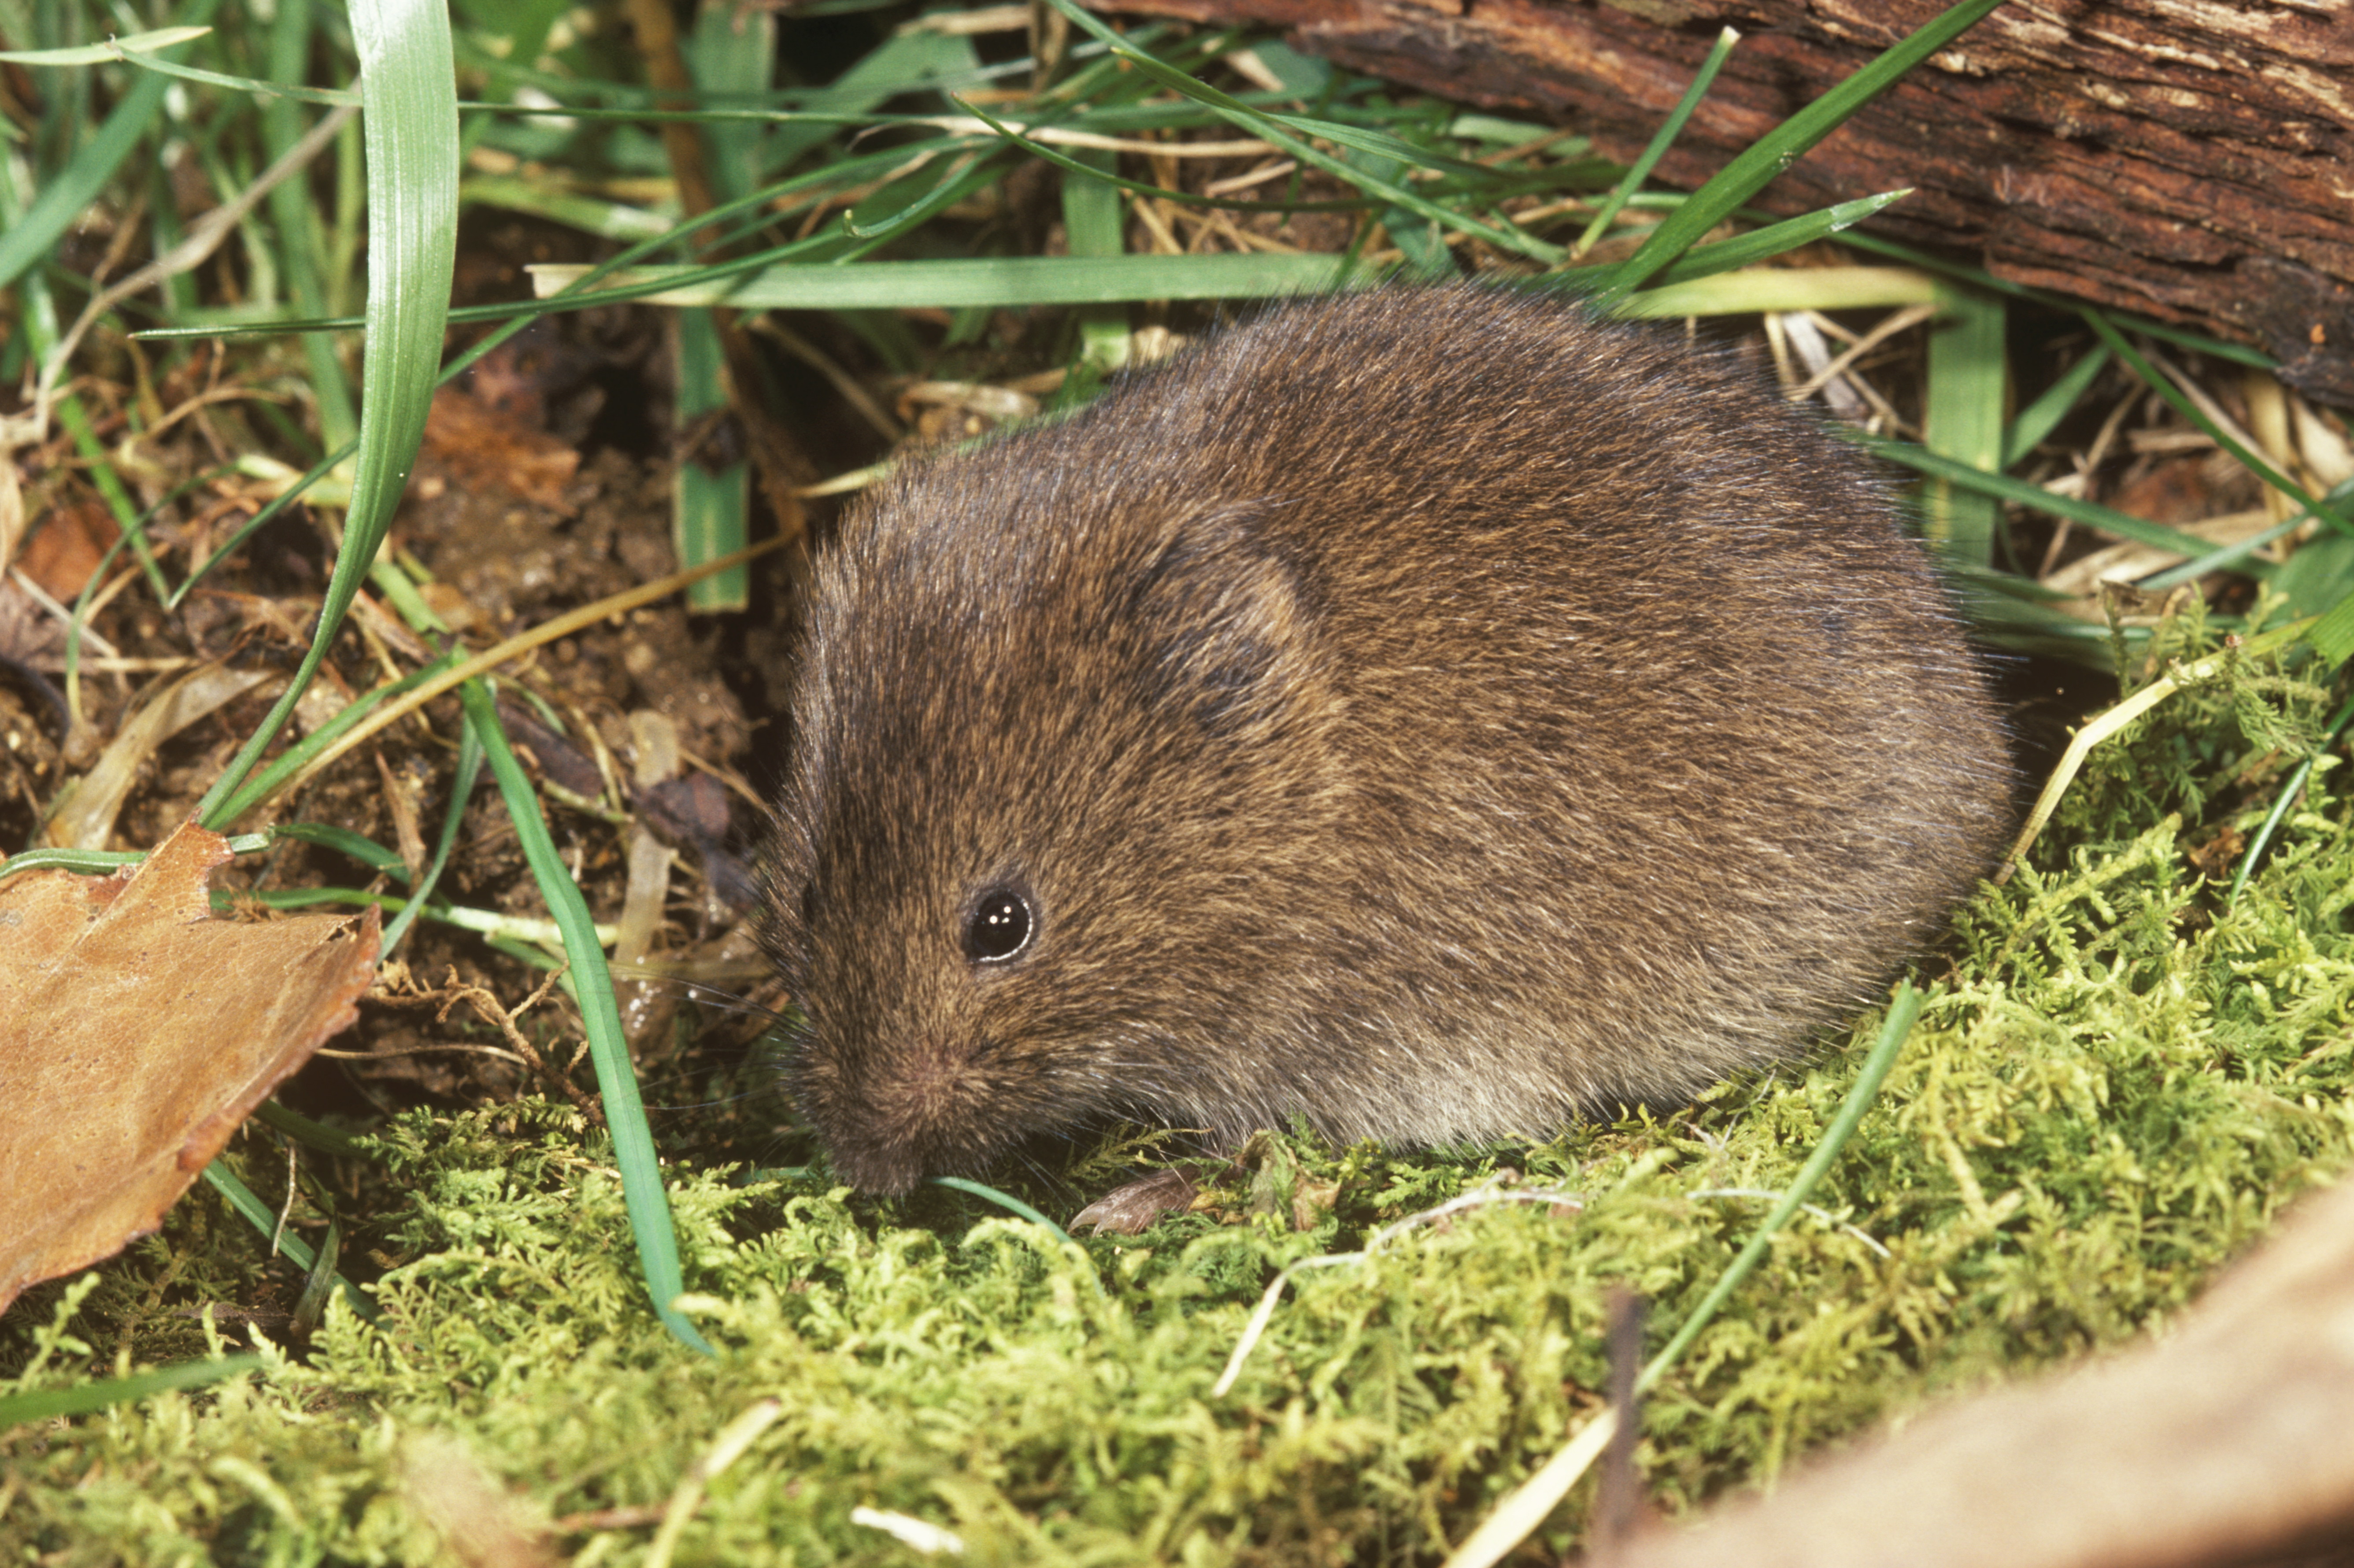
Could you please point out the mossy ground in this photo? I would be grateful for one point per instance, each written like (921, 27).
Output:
(2117, 1082)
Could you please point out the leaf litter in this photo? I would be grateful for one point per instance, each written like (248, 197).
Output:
(137, 1032)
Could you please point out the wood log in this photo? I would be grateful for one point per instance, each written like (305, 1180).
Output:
(2189, 160)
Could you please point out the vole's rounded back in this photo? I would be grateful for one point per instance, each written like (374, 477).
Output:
(1428, 712)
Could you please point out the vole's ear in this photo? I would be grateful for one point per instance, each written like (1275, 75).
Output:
(1224, 624)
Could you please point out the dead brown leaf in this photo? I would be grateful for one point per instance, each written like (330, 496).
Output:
(64, 549)
(2180, 490)
(136, 1032)
(484, 449)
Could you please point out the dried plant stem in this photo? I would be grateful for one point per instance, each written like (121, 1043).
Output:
(2115, 719)
(522, 642)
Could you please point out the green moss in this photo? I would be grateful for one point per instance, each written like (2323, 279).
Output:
(2114, 1090)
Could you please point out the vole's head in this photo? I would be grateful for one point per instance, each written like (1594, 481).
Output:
(1047, 741)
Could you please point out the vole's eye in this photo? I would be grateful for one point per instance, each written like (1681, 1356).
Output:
(1000, 926)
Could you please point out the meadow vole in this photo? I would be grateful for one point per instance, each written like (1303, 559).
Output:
(1430, 712)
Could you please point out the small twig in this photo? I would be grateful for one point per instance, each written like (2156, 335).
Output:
(286, 1212)
(1275, 171)
(1619, 1500)
(40, 595)
(1911, 316)
(459, 1047)
(485, 1006)
(210, 396)
(2107, 724)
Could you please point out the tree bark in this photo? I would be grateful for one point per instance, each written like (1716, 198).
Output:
(2190, 160)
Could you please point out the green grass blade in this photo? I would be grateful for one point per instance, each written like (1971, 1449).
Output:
(2011, 612)
(75, 189)
(728, 52)
(1760, 245)
(2043, 416)
(2225, 557)
(2163, 385)
(1013, 137)
(302, 237)
(1270, 128)
(2333, 635)
(2003, 487)
(1661, 141)
(296, 757)
(1420, 242)
(589, 214)
(906, 62)
(1968, 376)
(311, 1134)
(709, 502)
(1005, 1201)
(2216, 560)
(107, 52)
(991, 280)
(326, 98)
(88, 1398)
(873, 230)
(263, 1218)
(319, 1283)
(268, 514)
(747, 215)
(592, 987)
(344, 842)
(2183, 337)
(2296, 785)
(97, 863)
(732, 53)
(1380, 145)
(408, 89)
(1903, 1010)
(462, 791)
(1093, 219)
(1783, 288)
(1779, 148)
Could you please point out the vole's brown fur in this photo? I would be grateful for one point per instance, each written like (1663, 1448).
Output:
(1430, 712)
